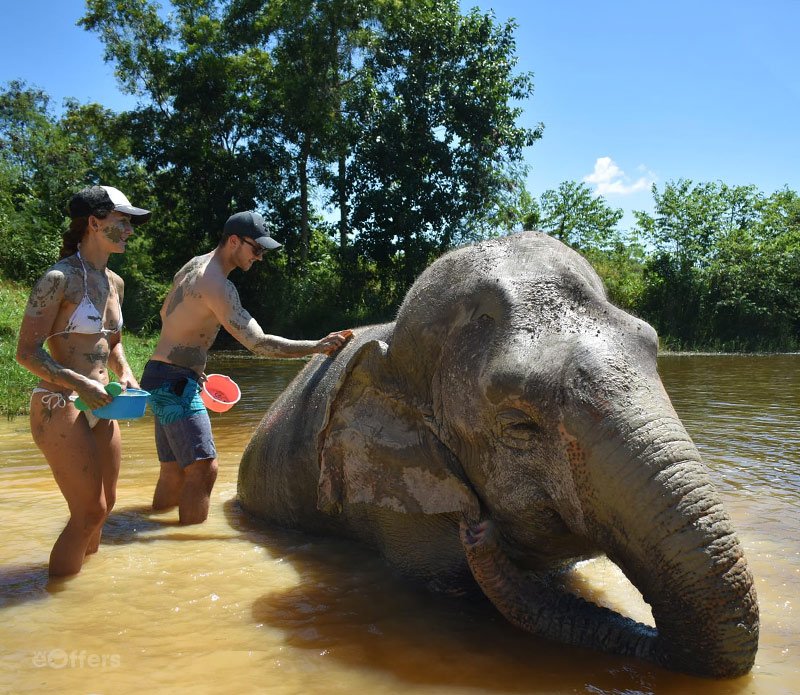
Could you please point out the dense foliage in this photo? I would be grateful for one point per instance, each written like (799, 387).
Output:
(374, 136)
(397, 118)
(725, 266)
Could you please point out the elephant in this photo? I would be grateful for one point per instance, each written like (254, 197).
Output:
(509, 423)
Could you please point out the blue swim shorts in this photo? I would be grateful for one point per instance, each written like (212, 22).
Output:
(182, 425)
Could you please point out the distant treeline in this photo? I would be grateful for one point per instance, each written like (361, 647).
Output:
(375, 137)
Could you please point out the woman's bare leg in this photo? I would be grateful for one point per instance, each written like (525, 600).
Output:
(109, 451)
(66, 441)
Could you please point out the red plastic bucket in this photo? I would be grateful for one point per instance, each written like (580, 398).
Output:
(220, 393)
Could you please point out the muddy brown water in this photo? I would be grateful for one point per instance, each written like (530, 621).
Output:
(231, 607)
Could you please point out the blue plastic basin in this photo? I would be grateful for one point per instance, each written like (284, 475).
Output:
(129, 405)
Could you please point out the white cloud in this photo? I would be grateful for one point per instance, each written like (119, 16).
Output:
(608, 178)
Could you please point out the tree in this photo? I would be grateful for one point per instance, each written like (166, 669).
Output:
(315, 48)
(37, 176)
(516, 209)
(45, 159)
(397, 113)
(688, 221)
(438, 134)
(200, 130)
(574, 215)
(725, 266)
(753, 299)
(683, 233)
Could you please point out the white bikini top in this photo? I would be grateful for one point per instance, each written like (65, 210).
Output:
(87, 319)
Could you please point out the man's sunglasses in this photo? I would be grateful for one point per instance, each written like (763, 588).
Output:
(257, 250)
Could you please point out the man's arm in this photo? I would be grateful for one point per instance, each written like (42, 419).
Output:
(229, 311)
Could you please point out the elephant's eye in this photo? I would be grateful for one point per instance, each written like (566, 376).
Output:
(518, 428)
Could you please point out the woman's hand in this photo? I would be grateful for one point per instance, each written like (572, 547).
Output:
(128, 381)
(94, 394)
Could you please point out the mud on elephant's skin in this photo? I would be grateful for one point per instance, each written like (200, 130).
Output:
(510, 422)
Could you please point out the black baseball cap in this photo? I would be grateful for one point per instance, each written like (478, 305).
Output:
(253, 225)
(94, 199)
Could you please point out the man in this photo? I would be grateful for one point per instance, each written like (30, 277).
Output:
(200, 300)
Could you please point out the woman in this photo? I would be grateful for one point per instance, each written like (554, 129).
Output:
(76, 308)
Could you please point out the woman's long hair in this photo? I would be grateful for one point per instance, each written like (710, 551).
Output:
(78, 227)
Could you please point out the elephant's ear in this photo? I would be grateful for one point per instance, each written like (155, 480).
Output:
(376, 449)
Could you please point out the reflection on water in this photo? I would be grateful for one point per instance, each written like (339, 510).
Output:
(229, 606)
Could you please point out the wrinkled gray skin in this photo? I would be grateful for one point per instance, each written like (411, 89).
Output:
(510, 422)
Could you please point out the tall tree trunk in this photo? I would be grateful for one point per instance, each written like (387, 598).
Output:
(343, 209)
(305, 149)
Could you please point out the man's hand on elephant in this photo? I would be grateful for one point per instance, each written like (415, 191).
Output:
(333, 342)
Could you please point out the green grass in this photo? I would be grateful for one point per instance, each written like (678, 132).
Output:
(138, 350)
(16, 383)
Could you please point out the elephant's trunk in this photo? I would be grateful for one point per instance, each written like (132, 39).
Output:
(660, 519)
(538, 605)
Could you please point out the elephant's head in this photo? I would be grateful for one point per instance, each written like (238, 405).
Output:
(514, 395)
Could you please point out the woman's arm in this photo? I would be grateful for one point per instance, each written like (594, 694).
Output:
(37, 323)
(117, 361)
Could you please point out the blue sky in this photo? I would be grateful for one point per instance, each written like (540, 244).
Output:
(630, 93)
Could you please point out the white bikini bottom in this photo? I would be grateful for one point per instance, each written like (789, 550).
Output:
(53, 399)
